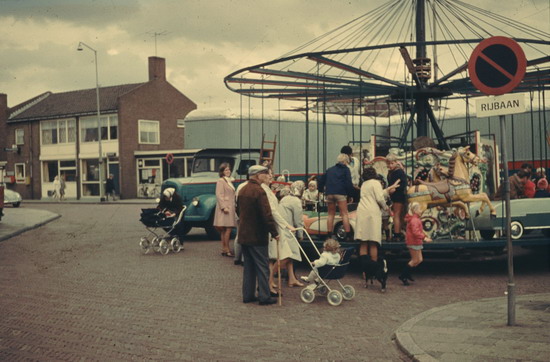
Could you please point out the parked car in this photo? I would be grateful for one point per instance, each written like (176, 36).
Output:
(315, 223)
(526, 214)
(12, 197)
(198, 192)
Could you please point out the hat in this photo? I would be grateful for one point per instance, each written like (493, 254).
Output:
(169, 192)
(542, 184)
(256, 169)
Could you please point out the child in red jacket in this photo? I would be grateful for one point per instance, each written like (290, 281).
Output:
(414, 239)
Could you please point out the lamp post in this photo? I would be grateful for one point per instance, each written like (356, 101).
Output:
(101, 178)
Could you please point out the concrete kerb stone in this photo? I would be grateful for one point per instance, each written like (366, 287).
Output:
(405, 341)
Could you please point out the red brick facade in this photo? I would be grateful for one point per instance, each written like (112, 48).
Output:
(154, 100)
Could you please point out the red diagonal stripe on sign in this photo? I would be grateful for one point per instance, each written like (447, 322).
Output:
(495, 65)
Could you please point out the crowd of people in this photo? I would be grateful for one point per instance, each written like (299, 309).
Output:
(269, 220)
(526, 184)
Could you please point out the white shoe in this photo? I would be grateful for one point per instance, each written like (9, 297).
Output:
(304, 279)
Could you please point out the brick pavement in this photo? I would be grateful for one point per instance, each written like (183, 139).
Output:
(78, 288)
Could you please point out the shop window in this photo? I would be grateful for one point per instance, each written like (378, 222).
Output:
(20, 172)
(50, 169)
(149, 132)
(19, 136)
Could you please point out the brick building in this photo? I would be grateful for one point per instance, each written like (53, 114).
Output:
(56, 134)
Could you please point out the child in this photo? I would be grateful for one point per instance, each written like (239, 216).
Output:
(329, 256)
(414, 238)
(310, 196)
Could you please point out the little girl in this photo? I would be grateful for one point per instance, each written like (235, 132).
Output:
(329, 256)
(414, 239)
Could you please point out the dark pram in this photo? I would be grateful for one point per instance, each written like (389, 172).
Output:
(325, 274)
(162, 231)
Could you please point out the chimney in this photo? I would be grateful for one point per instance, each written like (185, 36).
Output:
(157, 68)
(3, 126)
(3, 107)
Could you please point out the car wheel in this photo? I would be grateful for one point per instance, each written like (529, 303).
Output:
(16, 204)
(487, 234)
(516, 230)
(339, 232)
(211, 231)
(186, 229)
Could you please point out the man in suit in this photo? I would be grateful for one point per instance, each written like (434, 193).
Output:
(255, 224)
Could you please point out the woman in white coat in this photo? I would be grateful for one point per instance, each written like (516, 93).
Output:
(368, 225)
(291, 208)
(282, 227)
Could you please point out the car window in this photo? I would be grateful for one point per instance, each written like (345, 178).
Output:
(244, 165)
(210, 164)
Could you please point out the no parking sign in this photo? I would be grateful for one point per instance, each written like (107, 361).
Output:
(497, 65)
(169, 158)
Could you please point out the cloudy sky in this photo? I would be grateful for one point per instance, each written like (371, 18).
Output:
(202, 41)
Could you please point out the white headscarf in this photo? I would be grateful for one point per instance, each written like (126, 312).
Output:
(169, 192)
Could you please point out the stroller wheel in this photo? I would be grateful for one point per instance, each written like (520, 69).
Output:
(145, 245)
(176, 245)
(155, 244)
(334, 297)
(348, 292)
(322, 290)
(307, 295)
(164, 248)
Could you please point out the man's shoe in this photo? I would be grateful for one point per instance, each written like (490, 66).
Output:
(268, 302)
(250, 300)
(237, 262)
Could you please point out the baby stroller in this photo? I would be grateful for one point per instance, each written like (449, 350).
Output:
(325, 274)
(162, 231)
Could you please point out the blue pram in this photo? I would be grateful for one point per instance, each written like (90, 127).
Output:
(162, 231)
(325, 274)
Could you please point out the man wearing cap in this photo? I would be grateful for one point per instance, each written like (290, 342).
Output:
(255, 224)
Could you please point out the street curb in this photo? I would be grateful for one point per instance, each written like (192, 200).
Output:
(27, 228)
(405, 341)
(404, 338)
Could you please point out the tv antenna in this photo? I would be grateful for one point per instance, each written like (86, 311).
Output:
(155, 35)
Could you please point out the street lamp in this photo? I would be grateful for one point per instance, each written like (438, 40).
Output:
(101, 189)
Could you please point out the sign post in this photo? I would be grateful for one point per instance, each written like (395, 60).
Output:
(497, 66)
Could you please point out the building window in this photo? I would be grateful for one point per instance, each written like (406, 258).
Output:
(181, 123)
(109, 128)
(149, 132)
(20, 172)
(19, 136)
(58, 131)
(66, 169)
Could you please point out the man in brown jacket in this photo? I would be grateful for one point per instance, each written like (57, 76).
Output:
(255, 224)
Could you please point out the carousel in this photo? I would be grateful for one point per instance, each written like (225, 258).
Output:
(403, 65)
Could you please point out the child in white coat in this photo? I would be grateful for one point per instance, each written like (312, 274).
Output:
(329, 256)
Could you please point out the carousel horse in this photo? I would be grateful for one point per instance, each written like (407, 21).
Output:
(455, 189)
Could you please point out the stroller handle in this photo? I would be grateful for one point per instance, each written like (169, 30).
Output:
(300, 245)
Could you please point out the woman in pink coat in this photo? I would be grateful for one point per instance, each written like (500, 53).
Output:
(415, 238)
(224, 216)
